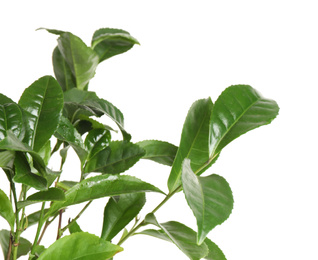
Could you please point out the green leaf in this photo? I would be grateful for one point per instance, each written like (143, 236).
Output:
(101, 186)
(96, 141)
(82, 246)
(79, 104)
(194, 142)
(35, 217)
(74, 228)
(118, 213)
(66, 132)
(52, 194)
(7, 159)
(210, 199)
(158, 151)
(24, 244)
(62, 71)
(6, 210)
(5, 100)
(239, 109)
(66, 185)
(11, 119)
(87, 124)
(215, 253)
(81, 59)
(42, 103)
(109, 42)
(182, 236)
(118, 157)
(24, 175)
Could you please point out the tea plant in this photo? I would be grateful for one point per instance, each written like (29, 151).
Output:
(57, 114)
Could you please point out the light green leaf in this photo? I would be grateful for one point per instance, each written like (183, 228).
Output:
(101, 186)
(42, 103)
(6, 210)
(62, 71)
(6, 159)
(159, 151)
(81, 59)
(11, 120)
(66, 132)
(96, 141)
(215, 253)
(52, 194)
(118, 213)
(210, 199)
(109, 42)
(118, 157)
(239, 109)
(194, 142)
(35, 217)
(82, 246)
(74, 228)
(182, 236)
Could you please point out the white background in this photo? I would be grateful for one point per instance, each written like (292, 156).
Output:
(191, 50)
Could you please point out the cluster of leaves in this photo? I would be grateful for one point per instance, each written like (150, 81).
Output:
(62, 110)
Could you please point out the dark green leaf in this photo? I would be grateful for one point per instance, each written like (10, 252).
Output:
(194, 142)
(109, 42)
(158, 151)
(101, 186)
(82, 246)
(24, 245)
(45, 152)
(53, 31)
(62, 71)
(87, 124)
(118, 157)
(238, 110)
(182, 236)
(81, 59)
(80, 104)
(52, 194)
(42, 103)
(215, 253)
(11, 120)
(5, 100)
(6, 210)
(96, 141)
(118, 213)
(210, 199)
(155, 233)
(24, 175)
(66, 132)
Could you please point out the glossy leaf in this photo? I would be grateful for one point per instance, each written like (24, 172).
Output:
(42, 103)
(182, 236)
(66, 185)
(79, 104)
(6, 159)
(96, 141)
(118, 157)
(74, 228)
(239, 109)
(11, 120)
(24, 175)
(6, 210)
(66, 132)
(81, 59)
(215, 253)
(102, 186)
(108, 42)
(87, 124)
(210, 199)
(82, 246)
(194, 142)
(52, 194)
(24, 244)
(118, 213)
(158, 151)
(62, 71)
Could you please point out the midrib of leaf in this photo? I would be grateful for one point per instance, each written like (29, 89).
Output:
(73, 59)
(65, 73)
(235, 121)
(39, 115)
(191, 147)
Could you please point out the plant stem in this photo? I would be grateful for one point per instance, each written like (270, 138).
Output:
(17, 232)
(40, 224)
(76, 218)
